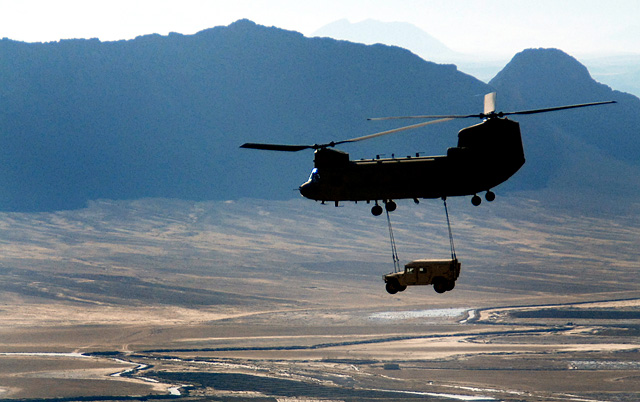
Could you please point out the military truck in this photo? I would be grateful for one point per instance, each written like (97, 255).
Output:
(442, 274)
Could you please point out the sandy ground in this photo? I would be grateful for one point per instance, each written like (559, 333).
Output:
(284, 301)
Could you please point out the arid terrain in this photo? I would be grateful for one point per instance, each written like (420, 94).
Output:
(264, 301)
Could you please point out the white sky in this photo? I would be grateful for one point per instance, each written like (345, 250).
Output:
(502, 27)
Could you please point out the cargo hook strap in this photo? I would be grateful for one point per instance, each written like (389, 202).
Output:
(446, 211)
(394, 251)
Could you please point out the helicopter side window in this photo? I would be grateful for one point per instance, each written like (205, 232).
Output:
(315, 176)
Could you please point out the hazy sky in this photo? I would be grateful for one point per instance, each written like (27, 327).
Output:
(469, 26)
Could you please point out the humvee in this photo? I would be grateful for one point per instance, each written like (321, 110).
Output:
(441, 273)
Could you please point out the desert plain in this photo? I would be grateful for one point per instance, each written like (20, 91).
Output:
(257, 300)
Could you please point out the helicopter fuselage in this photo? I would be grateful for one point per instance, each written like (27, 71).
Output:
(487, 154)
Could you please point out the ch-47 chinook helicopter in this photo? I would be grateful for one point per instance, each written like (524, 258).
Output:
(487, 154)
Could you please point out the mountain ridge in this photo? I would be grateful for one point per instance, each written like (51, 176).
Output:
(155, 115)
(558, 79)
(163, 116)
(619, 70)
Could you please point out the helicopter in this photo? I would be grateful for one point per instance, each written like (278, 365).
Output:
(487, 154)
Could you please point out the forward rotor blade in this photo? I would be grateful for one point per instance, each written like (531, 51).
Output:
(276, 147)
(552, 109)
(395, 130)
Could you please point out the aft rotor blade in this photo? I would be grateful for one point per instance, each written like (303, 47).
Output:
(437, 116)
(276, 147)
(552, 109)
(395, 130)
(493, 114)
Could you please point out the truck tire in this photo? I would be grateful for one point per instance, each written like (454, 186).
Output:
(440, 285)
(401, 288)
(451, 285)
(391, 287)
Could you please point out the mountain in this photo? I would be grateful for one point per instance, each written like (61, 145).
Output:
(163, 116)
(594, 150)
(620, 71)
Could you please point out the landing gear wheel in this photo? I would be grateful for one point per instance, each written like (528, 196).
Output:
(391, 288)
(390, 206)
(440, 285)
(490, 196)
(376, 210)
(475, 200)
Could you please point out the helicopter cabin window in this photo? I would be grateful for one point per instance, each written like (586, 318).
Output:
(315, 176)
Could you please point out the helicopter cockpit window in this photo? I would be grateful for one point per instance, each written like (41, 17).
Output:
(315, 176)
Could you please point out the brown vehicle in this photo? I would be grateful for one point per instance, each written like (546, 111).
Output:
(441, 273)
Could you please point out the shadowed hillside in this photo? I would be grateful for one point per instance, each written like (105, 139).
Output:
(254, 254)
(164, 116)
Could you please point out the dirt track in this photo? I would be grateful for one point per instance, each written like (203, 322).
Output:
(497, 355)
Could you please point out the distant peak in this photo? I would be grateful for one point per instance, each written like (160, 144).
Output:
(241, 27)
(243, 23)
(544, 65)
(547, 60)
(400, 34)
(545, 53)
(549, 74)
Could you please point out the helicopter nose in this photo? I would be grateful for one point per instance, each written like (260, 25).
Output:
(307, 190)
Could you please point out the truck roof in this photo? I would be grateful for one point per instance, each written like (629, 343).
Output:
(417, 263)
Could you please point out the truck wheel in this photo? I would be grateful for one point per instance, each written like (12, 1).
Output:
(401, 288)
(451, 285)
(439, 285)
(390, 286)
